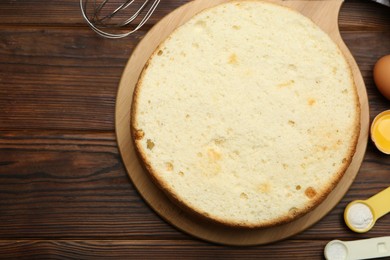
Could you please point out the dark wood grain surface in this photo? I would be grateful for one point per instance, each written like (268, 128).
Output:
(64, 192)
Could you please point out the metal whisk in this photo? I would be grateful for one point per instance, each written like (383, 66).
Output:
(107, 18)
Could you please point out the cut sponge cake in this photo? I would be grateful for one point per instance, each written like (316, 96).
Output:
(247, 114)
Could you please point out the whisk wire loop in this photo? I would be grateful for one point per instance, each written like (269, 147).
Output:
(102, 23)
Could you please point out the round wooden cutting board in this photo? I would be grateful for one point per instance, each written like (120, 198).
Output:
(325, 15)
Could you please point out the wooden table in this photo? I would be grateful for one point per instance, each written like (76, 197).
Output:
(64, 191)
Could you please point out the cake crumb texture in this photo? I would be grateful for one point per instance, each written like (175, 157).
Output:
(247, 114)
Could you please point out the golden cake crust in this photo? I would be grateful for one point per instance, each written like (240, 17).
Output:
(145, 143)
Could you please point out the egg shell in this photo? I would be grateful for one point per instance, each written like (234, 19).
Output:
(382, 76)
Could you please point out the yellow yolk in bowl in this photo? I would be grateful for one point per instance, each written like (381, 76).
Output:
(380, 131)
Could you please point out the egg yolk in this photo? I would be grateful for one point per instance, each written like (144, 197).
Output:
(381, 132)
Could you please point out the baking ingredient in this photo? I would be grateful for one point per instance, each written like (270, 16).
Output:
(240, 127)
(382, 76)
(336, 251)
(380, 131)
(360, 216)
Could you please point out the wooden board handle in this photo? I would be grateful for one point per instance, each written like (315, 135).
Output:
(324, 13)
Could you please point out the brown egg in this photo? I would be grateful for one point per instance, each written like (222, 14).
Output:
(382, 75)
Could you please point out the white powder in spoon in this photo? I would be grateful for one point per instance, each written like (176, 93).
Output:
(360, 216)
(336, 251)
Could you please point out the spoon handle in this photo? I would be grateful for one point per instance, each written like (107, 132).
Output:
(380, 203)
